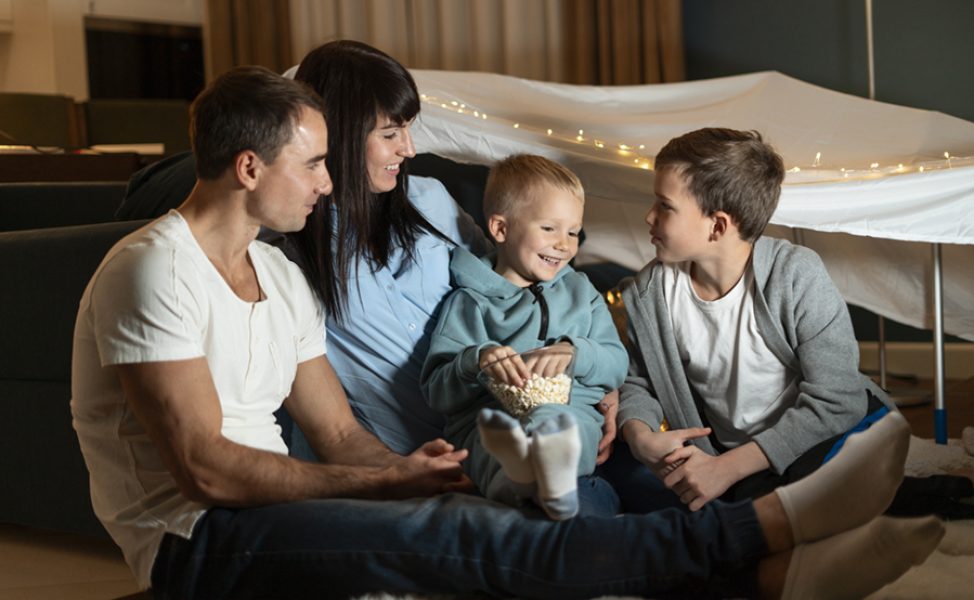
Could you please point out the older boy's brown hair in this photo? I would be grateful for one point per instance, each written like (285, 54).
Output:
(733, 171)
(514, 179)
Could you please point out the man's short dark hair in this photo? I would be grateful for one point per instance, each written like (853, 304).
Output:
(728, 170)
(246, 108)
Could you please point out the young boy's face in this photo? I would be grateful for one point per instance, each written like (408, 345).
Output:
(679, 228)
(539, 238)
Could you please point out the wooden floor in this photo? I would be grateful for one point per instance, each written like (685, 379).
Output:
(958, 400)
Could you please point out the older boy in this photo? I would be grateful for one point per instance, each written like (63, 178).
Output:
(522, 297)
(733, 335)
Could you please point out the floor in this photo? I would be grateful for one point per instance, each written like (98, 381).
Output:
(42, 565)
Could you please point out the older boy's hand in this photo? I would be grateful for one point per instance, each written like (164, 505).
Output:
(652, 447)
(550, 361)
(697, 477)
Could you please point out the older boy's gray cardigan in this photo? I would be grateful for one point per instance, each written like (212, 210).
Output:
(804, 321)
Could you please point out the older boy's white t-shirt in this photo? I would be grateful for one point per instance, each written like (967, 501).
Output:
(743, 385)
(156, 297)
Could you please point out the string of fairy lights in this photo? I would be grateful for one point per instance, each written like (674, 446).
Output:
(634, 154)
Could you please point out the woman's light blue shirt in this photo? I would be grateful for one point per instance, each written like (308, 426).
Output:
(378, 350)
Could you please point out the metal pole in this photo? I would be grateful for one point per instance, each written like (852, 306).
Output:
(939, 411)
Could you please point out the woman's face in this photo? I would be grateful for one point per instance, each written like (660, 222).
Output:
(385, 148)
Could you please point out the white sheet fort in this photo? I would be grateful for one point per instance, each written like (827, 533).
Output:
(866, 180)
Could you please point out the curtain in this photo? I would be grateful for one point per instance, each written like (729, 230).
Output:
(247, 32)
(602, 42)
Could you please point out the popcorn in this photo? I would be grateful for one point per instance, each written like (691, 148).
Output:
(536, 391)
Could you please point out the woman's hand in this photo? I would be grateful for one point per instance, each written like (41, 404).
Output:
(609, 407)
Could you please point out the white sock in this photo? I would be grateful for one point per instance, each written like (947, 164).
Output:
(555, 451)
(856, 563)
(852, 488)
(501, 435)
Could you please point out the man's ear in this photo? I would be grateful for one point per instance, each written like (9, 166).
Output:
(247, 167)
(497, 226)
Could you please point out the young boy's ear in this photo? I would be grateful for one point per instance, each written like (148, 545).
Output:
(497, 226)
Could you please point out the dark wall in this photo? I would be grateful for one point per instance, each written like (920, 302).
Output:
(924, 50)
(923, 57)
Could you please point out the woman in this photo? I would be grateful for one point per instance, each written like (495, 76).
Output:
(377, 250)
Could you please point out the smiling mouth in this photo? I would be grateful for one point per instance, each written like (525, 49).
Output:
(391, 168)
(549, 260)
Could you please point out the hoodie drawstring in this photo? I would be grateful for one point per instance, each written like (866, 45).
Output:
(535, 289)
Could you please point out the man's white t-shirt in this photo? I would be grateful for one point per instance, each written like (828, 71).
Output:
(157, 297)
(744, 387)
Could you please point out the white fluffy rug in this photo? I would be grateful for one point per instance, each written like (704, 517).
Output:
(949, 572)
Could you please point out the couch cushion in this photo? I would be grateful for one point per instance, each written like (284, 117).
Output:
(45, 271)
(39, 205)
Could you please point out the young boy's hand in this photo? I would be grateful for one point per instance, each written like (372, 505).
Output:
(504, 365)
(552, 360)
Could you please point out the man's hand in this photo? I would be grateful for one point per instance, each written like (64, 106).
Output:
(433, 468)
(609, 407)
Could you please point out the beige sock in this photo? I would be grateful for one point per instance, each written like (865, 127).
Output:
(856, 563)
(852, 488)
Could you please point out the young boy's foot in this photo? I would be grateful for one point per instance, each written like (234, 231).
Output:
(501, 435)
(854, 487)
(856, 563)
(555, 451)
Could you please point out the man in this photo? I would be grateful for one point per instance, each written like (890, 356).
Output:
(191, 334)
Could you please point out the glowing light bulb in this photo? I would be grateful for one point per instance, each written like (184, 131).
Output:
(818, 160)
(550, 132)
(455, 103)
(517, 126)
(873, 165)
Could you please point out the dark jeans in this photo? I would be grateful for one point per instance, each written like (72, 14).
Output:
(458, 544)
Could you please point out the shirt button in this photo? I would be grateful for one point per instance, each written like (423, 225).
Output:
(412, 326)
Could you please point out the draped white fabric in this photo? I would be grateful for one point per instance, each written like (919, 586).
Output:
(855, 191)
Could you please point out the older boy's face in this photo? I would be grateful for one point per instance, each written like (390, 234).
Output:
(679, 228)
(540, 238)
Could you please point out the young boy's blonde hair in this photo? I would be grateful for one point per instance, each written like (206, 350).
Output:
(512, 181)
(733, 171)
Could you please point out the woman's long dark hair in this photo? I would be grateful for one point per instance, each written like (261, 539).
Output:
(358, 83)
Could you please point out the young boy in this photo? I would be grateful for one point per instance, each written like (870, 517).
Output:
(525, 296)
(740, 344)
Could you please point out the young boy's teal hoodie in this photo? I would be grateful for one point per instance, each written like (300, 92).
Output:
(488, 310)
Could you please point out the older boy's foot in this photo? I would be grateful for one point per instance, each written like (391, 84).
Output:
(856, 563)
(555, 451)
(854, 487)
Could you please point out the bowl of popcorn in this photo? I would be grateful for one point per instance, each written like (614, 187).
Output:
(548, 381)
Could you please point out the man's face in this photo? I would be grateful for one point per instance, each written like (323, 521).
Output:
(679, 229)
(291, 185)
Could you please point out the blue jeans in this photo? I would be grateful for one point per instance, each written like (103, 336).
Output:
(459, 544)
